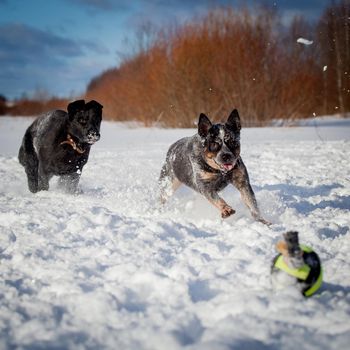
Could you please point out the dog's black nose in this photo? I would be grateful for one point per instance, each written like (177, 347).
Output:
(227, 157)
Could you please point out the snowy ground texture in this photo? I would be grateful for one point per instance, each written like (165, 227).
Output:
(106, 270)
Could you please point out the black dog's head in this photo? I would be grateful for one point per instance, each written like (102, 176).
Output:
(221, 142)
(85, 120)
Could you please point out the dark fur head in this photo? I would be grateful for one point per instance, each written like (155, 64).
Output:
(221, 142)
(85, 120)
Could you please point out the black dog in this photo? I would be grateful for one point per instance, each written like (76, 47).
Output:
(209, 161)
(58, 143)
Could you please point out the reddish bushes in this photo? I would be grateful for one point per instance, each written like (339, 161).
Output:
(226, 59)
(30, 107)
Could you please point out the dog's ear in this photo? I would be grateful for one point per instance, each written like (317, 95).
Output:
(93, 105)
(233, 121)
(204, 124)
(74, 107)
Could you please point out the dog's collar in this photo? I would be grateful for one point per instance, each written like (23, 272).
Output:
(71, 142)
(206, 167)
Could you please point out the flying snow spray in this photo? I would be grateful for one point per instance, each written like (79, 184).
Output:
(296, 264)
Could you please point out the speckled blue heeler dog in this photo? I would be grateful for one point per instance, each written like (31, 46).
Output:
(207, 162)
(58, 143)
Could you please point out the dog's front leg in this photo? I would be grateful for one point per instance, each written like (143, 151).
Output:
(218, 202)
(240, 180)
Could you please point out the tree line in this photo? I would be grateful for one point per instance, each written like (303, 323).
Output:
(231, 58)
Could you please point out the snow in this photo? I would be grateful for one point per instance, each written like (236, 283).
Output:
(109, 269)
(304, 41)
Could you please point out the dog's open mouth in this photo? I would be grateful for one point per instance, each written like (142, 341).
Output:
(227, 166)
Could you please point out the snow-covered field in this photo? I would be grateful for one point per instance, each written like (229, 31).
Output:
(107, 270)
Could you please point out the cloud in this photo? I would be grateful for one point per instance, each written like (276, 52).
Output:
(103, 5)
(32, 58)
(96, 47)
(302, 4)
(22, 43)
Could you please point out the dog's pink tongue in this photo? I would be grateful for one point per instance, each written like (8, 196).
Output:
(228, 166)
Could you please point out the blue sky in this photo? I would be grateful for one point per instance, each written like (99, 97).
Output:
(59, 45)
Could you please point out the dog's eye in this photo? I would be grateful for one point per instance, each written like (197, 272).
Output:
(214, 146)
(82, 121)
(229, 138)
(229, 141)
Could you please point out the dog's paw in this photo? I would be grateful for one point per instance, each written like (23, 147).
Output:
(227, 211)
(265, 222)
(259, 218)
